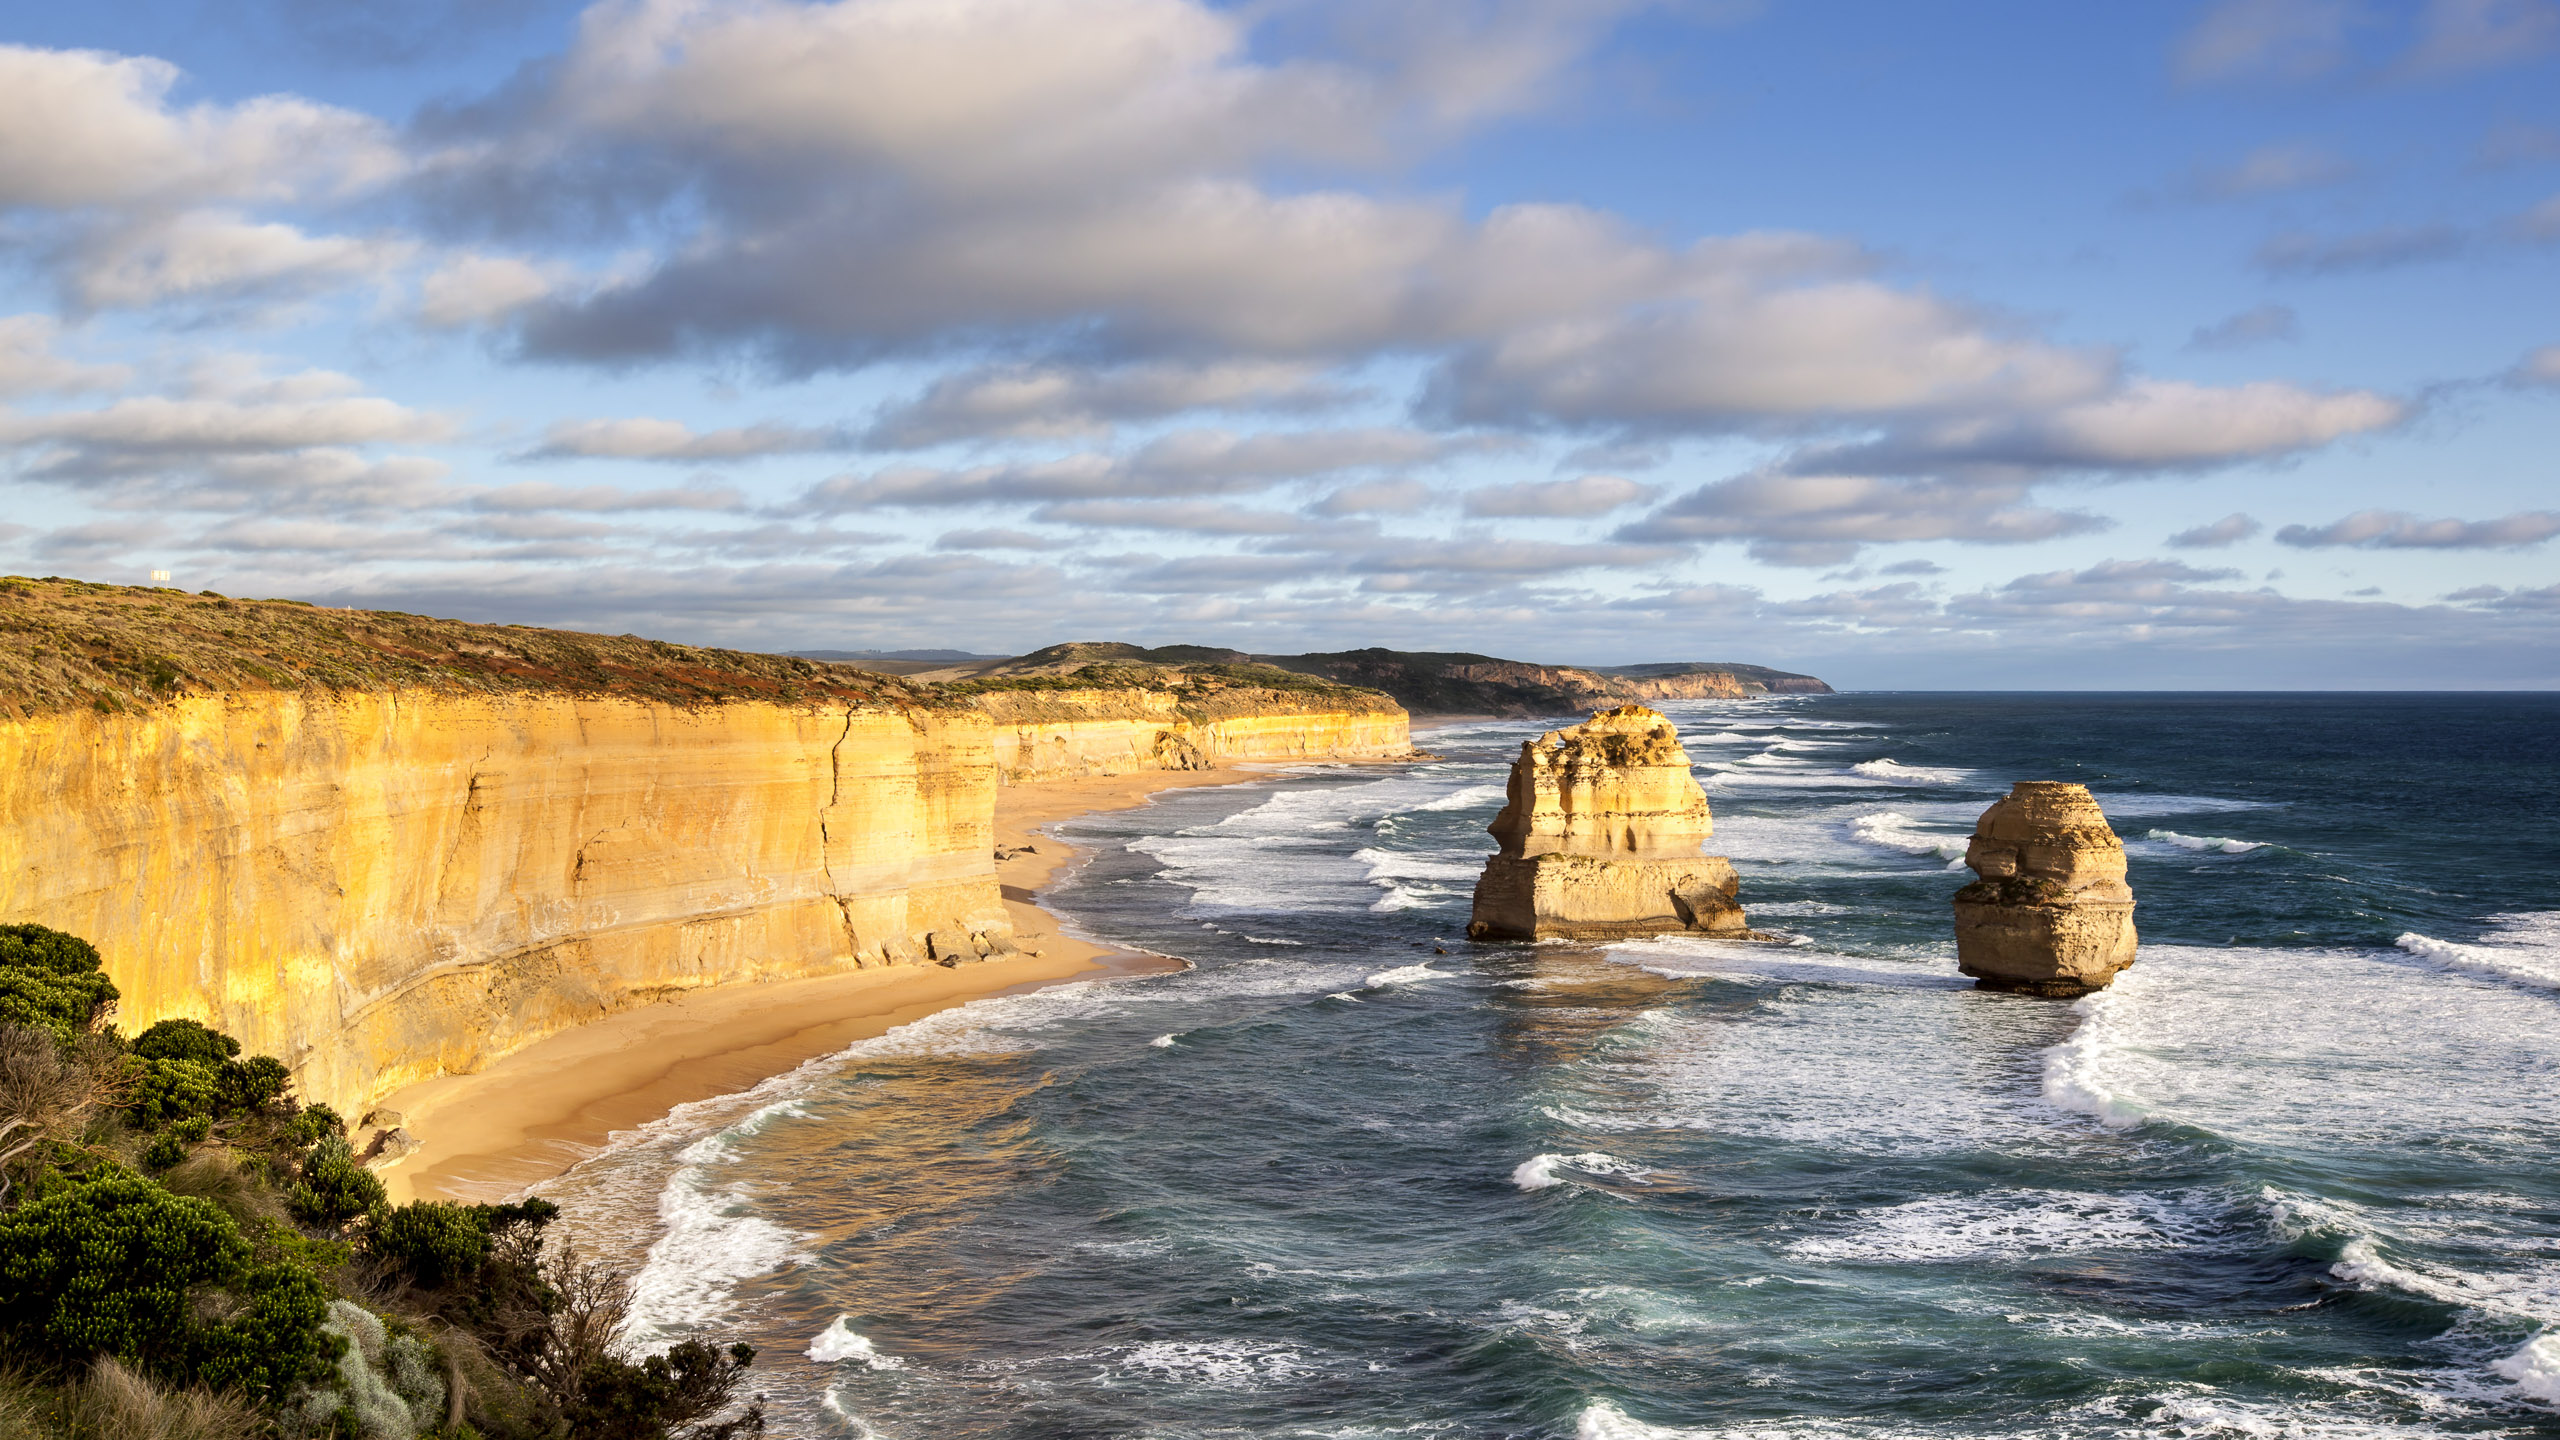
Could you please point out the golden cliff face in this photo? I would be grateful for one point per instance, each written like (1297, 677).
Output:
(1060, 734)
(381, 888)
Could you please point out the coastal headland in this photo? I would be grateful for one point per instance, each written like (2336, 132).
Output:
(540, 885)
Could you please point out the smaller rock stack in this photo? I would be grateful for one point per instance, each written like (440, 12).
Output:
(2052, 914)
(1600, 839)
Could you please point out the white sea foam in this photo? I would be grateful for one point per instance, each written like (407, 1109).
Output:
(1540, 1172)
(2535, 1370)
(1896, 831)
(1901, 774)
(2524, 948)
(1162, 1042)
(840, 1341)
(1408, 975)
(710, 1240)
(2079, 1072)
(2214, 844)
(1472, 797)
(1221, 1364)
(2014, 1223)
(2126, 807)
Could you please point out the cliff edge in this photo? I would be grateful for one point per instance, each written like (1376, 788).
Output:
(383, 847)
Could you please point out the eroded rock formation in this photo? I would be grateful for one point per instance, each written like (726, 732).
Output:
(1600, 837)
(2052, 914)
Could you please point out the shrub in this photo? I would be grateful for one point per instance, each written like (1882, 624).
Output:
(334, 1189)
(185, 1040)
(104, 1266)
(51, 981)
(434, 1242)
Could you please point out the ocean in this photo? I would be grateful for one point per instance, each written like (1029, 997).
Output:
(2297, 1174)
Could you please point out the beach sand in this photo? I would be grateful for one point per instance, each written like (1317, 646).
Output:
(537, 1112)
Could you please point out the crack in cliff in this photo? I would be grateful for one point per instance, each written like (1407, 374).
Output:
(826, 857)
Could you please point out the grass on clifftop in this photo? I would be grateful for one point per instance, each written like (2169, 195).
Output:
(71, 644)
(77, 645)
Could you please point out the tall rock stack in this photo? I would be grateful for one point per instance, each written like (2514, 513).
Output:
(2052, 914)
(1600, 839)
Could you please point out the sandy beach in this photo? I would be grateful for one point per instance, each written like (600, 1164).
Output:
(539, 1111)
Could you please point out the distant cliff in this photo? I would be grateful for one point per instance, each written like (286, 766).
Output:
(1424, 683)
(382, 847)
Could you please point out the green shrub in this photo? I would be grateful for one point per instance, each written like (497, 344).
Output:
(172, 1145)
(52, 981)
(334, 1189)
(434, 1242)
(313, 1124)
(104, 1266)
(185, 1040)
(185, 1070)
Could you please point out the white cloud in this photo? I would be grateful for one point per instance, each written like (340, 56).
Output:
(673, 440)
(2146, 425)
(1378, 497)
(2393, 530)
(1583, 495)
(2281, 39)
(212, 255)
(2272, 168)
(1041, 401)
(2300, 253)
(2227, 531)
(29, 362)
(1198, 516)
(2463, 35)
(2256, 325)
(474, 289)
(1824, 519)
(81, 128)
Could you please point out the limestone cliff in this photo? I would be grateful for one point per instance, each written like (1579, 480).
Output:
(1177, 723)
(2051, 913)
(1599, 839)
(382, 847)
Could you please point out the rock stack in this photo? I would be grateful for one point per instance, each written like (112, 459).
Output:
(1600, 839)
(2051, 914)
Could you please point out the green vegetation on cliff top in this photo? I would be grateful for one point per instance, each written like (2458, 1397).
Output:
(72, 644)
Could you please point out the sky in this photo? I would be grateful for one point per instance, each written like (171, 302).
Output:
(1976, 346)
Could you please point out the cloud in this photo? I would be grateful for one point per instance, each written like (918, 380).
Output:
(1377, 497)
(1585, 495)
(1044, 401)
(2393, 530)
(1823, 519)
(1203, 517)
(2272, 39)
(79, 128)
(2455, 36)
(2149, 425)
(994, 540)
(601, 498)
(2257, 325)
(1913, 567)
(2270, 169)
(154, 432)
(672, 440)
(29, 363)
(215, 255)
(2497, 597)
(2540, 224)
(2298, 253)
(474, 289)
(2228, 531)
(2541, 367)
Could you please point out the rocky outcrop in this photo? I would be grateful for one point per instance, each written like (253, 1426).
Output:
(2051, 913)
(1599, 839)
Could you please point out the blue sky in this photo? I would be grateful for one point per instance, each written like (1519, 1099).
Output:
(2001, 345)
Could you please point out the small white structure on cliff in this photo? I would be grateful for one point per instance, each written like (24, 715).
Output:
(1600, 839)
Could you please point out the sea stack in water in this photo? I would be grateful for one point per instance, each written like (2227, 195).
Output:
(2051, 914)
(1600, 839)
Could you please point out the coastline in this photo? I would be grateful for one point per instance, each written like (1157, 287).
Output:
(534, 1114)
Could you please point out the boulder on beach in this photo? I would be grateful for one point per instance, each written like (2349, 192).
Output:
(1600, 839)
(2051, 913)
